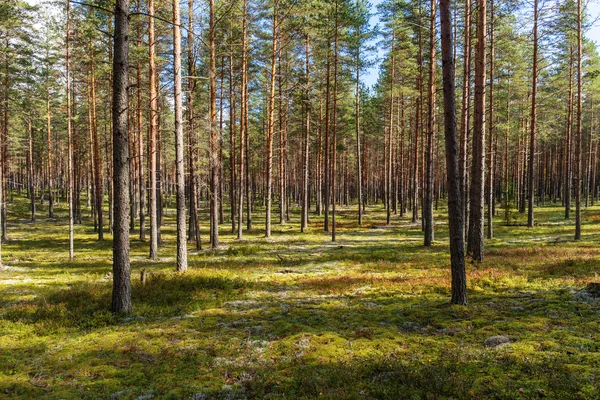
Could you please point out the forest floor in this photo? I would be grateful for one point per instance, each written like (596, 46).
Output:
(297, 316)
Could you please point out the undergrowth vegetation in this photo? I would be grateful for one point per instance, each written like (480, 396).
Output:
(297, 317)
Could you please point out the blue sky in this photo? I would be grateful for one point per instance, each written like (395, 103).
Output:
(593, 9)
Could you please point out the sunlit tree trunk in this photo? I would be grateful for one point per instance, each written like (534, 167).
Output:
(579, 118)
(214, 154)
(69, 134)
(533, 122)
(121, 293)
(305, 196)
(182, 263)
(491, 198)
(152, 148)
(465, 111)
(141, 168)
(243, 127)
(271, 122)
(475, 244)
(428, 201)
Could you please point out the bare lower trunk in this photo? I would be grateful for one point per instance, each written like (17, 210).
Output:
(428, 201)
(152, 153)
(121, 294)
(179, 157)
(475, 245)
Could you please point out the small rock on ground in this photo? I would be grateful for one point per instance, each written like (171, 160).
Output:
(496, 342)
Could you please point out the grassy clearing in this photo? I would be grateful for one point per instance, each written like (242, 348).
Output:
(298, 317)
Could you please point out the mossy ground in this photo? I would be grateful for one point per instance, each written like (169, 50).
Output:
(297, 316)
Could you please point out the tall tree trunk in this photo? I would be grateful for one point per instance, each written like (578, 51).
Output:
(31, 171)
(455, 209)
(69, 134)
(335, 126)
(194, 225)
(98, 180)
(214, 154)
(579, 118)
(243, 125)
(428, 203)
(569, 141)
(465, 112)
(49, 150)
(232, 148)
(121, 294)
(141, 168)
(475, 244)
(305, 197)
(271, 122)
(182, 263)
(491, 199)
(152, 148)
(359, 182)
(327, 150)
(281, 158)
(533, 126)
(388, 150)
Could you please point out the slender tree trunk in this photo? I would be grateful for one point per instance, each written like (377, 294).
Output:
(579, 118)
(465, 112)
(388, 150)
(243, 125)
(335, 126)
(359, 182)
(232, 147)
(193, 201)
(182, 263)
(475, 245)
(428, 203)
(271, 122)
(214, 155)
(455, 209)
(98, 179)
(69, 134)
(142, 181)
(121, 294)
(569, 142)
(533, 123)
(152, 149)
(220, 139)
(49, 151)
(305, 197)
(327, 151)
(31, 171)
(491, 199)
